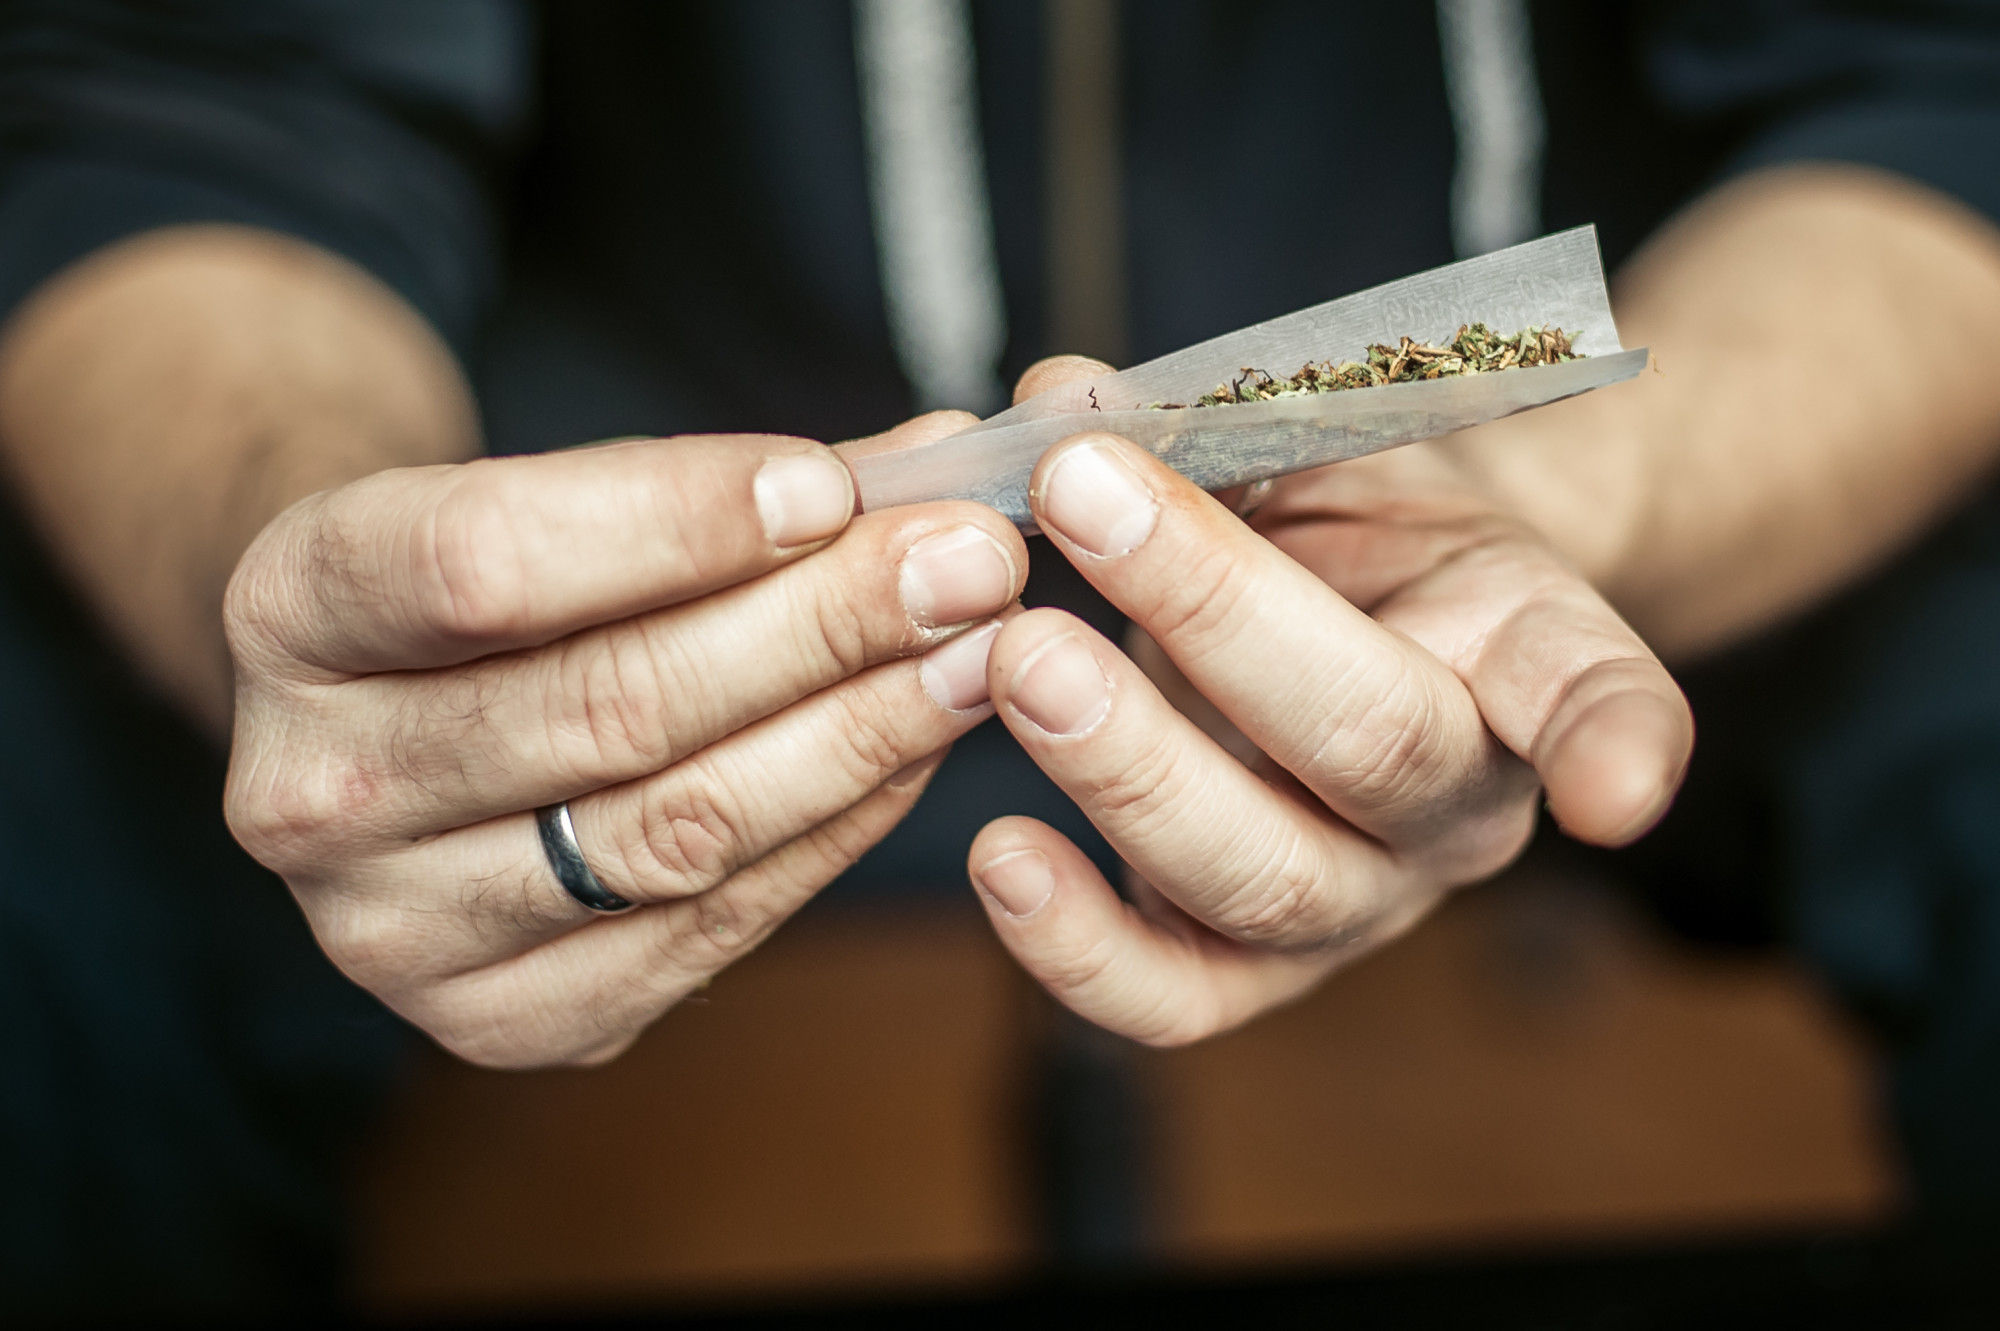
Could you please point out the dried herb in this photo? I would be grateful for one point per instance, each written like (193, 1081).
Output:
(1476, 349)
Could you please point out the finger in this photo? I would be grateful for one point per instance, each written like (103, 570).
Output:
(1108, 961)
(1243, 856)
(425, 566)
(924, 429)
(426, 752)
(1054, 372)
(1374, 725)
(1558, 676)
(457, 902)
(585, 996)
(703, 820)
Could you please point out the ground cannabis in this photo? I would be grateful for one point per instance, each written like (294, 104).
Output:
(1476, 349)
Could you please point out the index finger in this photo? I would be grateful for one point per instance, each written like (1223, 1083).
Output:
(1377, 727)
(429, 566)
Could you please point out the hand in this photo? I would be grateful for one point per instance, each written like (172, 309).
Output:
(1411, 669)
(737, 689)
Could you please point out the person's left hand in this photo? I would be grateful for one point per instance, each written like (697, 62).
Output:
(1409, 670)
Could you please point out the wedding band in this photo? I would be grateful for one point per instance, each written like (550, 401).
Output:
(1254, 495)
(566, 860)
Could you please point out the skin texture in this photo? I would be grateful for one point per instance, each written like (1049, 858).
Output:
(740, 691)
(1406, 649)
(738, 688)
(1808, 420)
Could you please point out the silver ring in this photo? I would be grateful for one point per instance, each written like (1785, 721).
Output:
(566, 860)
(1254, 495)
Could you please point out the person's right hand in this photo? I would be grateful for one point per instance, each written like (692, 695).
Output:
(737, 689)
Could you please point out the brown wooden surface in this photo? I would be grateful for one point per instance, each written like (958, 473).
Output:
(1530, 1066)
(839, 1111)
(846, 1111)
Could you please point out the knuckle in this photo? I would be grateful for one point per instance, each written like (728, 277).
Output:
(1084, 968)
(710, 934)
(1208, 594)
(329, 558)
(1088, 974)
(1144, 785)
(466, 572)
(727, 932)
(613, 691)
(246, 611)
(1291, 903)
(701, 511)
(871, 743)
(261, 602)
(840, 626)
(1384, 751)
(687, 842)
(285, 813)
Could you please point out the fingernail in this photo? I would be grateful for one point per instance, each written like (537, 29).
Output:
(955, 576)
(954, 675)
(1021, 882)
(1061, 688)
(1096, 500)
(803, 497)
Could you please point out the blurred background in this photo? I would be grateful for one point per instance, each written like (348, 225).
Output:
(878, 1103)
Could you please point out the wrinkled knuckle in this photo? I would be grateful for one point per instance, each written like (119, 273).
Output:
(328, 557)
(248, 614)
(618, 692)
(1290, 904)
(869, 738)
(1391, 763)
(1089, 973)
(841, 627)
(714, 935)
(1278, 910)
(268, 593)
(286, 814)
(1138, 788)
(1081, 968)
(1206, 596)
(687, 844)
(467, 575)
(1384, 754)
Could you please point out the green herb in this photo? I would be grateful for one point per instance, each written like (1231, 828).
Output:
(1476, 349)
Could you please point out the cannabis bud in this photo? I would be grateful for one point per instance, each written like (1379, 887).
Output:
(1476, 349)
